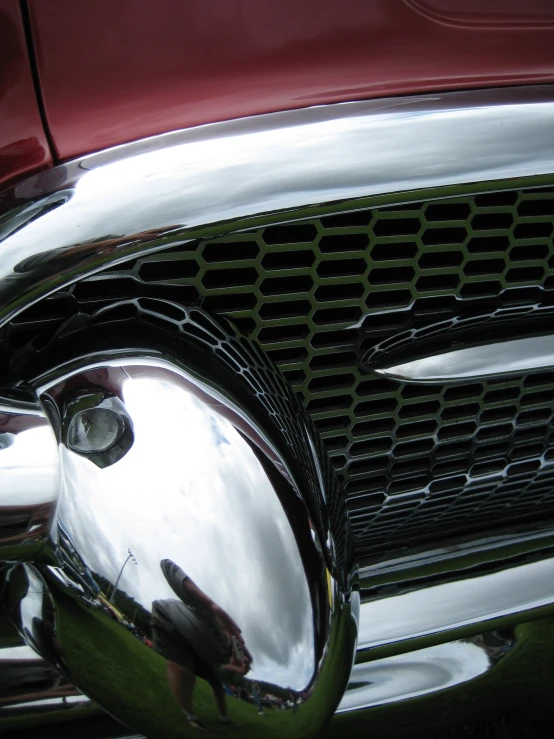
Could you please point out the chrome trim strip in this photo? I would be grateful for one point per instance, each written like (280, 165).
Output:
(19, 408)
(495, 547)
(457, 560)
(457, 605)
(421, 672)
(414, 674)
(34, 689)
(478, 362)
(19, 652)
(148, 195)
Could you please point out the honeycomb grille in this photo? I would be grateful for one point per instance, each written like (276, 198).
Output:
(418, 463)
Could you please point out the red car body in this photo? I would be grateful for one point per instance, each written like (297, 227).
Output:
(78, 77)
(107, 73)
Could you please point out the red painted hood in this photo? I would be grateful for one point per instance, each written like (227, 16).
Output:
(116, 71)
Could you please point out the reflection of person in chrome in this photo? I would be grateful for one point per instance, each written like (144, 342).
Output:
(196, 637)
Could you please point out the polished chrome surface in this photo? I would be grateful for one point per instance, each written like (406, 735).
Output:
(423, 671)
(141, 197)
(27, 682)
(476, 362)
(29, 480)
(268, 571)
(511, 596)
(496, 546)
(116, 498)
(403, 572)
(29, 687)
(187, 583)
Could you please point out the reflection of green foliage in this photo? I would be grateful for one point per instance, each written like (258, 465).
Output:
(25, 551)
(511, 700)
(464, 564)
(10, 638)
(68, 713)
(8, 634)
(129, 679)
(132, 609)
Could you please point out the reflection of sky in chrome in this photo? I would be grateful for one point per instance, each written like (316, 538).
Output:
(58, 703)
(508, 356)
(454, 604)
(22, 652)
(416, 673)
(367, 148)
(29, 468)
(191, 489)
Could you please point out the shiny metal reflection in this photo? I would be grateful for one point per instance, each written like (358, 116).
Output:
(423, 671)
(145, 196)
(30, 687)
(234, 615)
(29, 481)
(97, 426)
(513, 594)
(455, 560)
(478, 362)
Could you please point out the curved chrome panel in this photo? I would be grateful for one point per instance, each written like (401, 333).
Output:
(146, 196)
(414, 674)
(456, 560)
(29, 480)
(478, 362)
(518, 593)
(423, 671)
(157, 194)
(30, 687)
(191, 556)
(248, 390)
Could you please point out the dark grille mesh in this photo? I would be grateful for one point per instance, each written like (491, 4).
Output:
(322, 297)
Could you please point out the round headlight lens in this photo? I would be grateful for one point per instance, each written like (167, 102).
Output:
(94, 430)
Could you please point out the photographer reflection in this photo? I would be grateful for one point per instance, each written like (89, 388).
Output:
(196, 637)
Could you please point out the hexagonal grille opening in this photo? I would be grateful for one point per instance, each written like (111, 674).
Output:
(417, 462)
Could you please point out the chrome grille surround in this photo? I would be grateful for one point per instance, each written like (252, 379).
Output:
(440, 235)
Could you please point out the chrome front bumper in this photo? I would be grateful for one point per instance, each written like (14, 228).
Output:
(88, 216)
